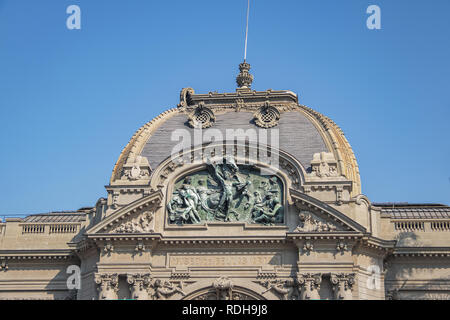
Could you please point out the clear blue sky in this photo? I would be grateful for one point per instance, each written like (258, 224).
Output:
(70, 100)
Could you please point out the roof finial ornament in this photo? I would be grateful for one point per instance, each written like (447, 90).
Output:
(244, 79)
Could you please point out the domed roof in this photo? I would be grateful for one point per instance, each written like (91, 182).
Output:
(302, 131)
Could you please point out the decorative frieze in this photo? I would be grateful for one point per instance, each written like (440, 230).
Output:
(212, 260)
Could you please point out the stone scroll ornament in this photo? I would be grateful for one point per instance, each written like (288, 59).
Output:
(227, 192)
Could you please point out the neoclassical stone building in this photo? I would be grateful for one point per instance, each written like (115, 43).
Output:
(242, 195)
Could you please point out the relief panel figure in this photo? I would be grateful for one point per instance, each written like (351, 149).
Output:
(227, 192)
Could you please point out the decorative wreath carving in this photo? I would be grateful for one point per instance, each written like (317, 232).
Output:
(202, 117)
(267, 116)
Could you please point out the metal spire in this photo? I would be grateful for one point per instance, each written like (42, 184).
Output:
(246, 32)
(244, 79)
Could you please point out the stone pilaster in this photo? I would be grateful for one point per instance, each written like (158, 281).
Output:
(108, 286)
(309, 286)
(343, 285)
(139, 286)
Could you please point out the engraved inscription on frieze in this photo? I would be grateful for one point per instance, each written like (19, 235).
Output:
(227, 192)
(218, 260)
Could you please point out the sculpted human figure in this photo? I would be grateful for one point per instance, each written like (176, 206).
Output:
(164, 289)
(268, 214)
(225, 174)
(190, 199)
(282, 288)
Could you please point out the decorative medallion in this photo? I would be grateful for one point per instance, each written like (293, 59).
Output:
(202, 117)
(267, 116)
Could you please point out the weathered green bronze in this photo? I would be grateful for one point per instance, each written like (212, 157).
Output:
(227, 192)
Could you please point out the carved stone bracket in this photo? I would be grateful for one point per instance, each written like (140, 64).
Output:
(108, 286)
(309, 285)
(139, 285)
(343, 285)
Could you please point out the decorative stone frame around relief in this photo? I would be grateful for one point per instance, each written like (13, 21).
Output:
(291, 173)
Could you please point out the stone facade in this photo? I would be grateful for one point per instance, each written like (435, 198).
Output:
(232, 219)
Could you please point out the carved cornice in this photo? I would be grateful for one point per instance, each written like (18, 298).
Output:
(49, 254)
(435, 252)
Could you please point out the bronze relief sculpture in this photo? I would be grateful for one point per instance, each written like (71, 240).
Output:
(227, 192)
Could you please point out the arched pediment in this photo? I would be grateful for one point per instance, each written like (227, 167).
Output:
(272, 160)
